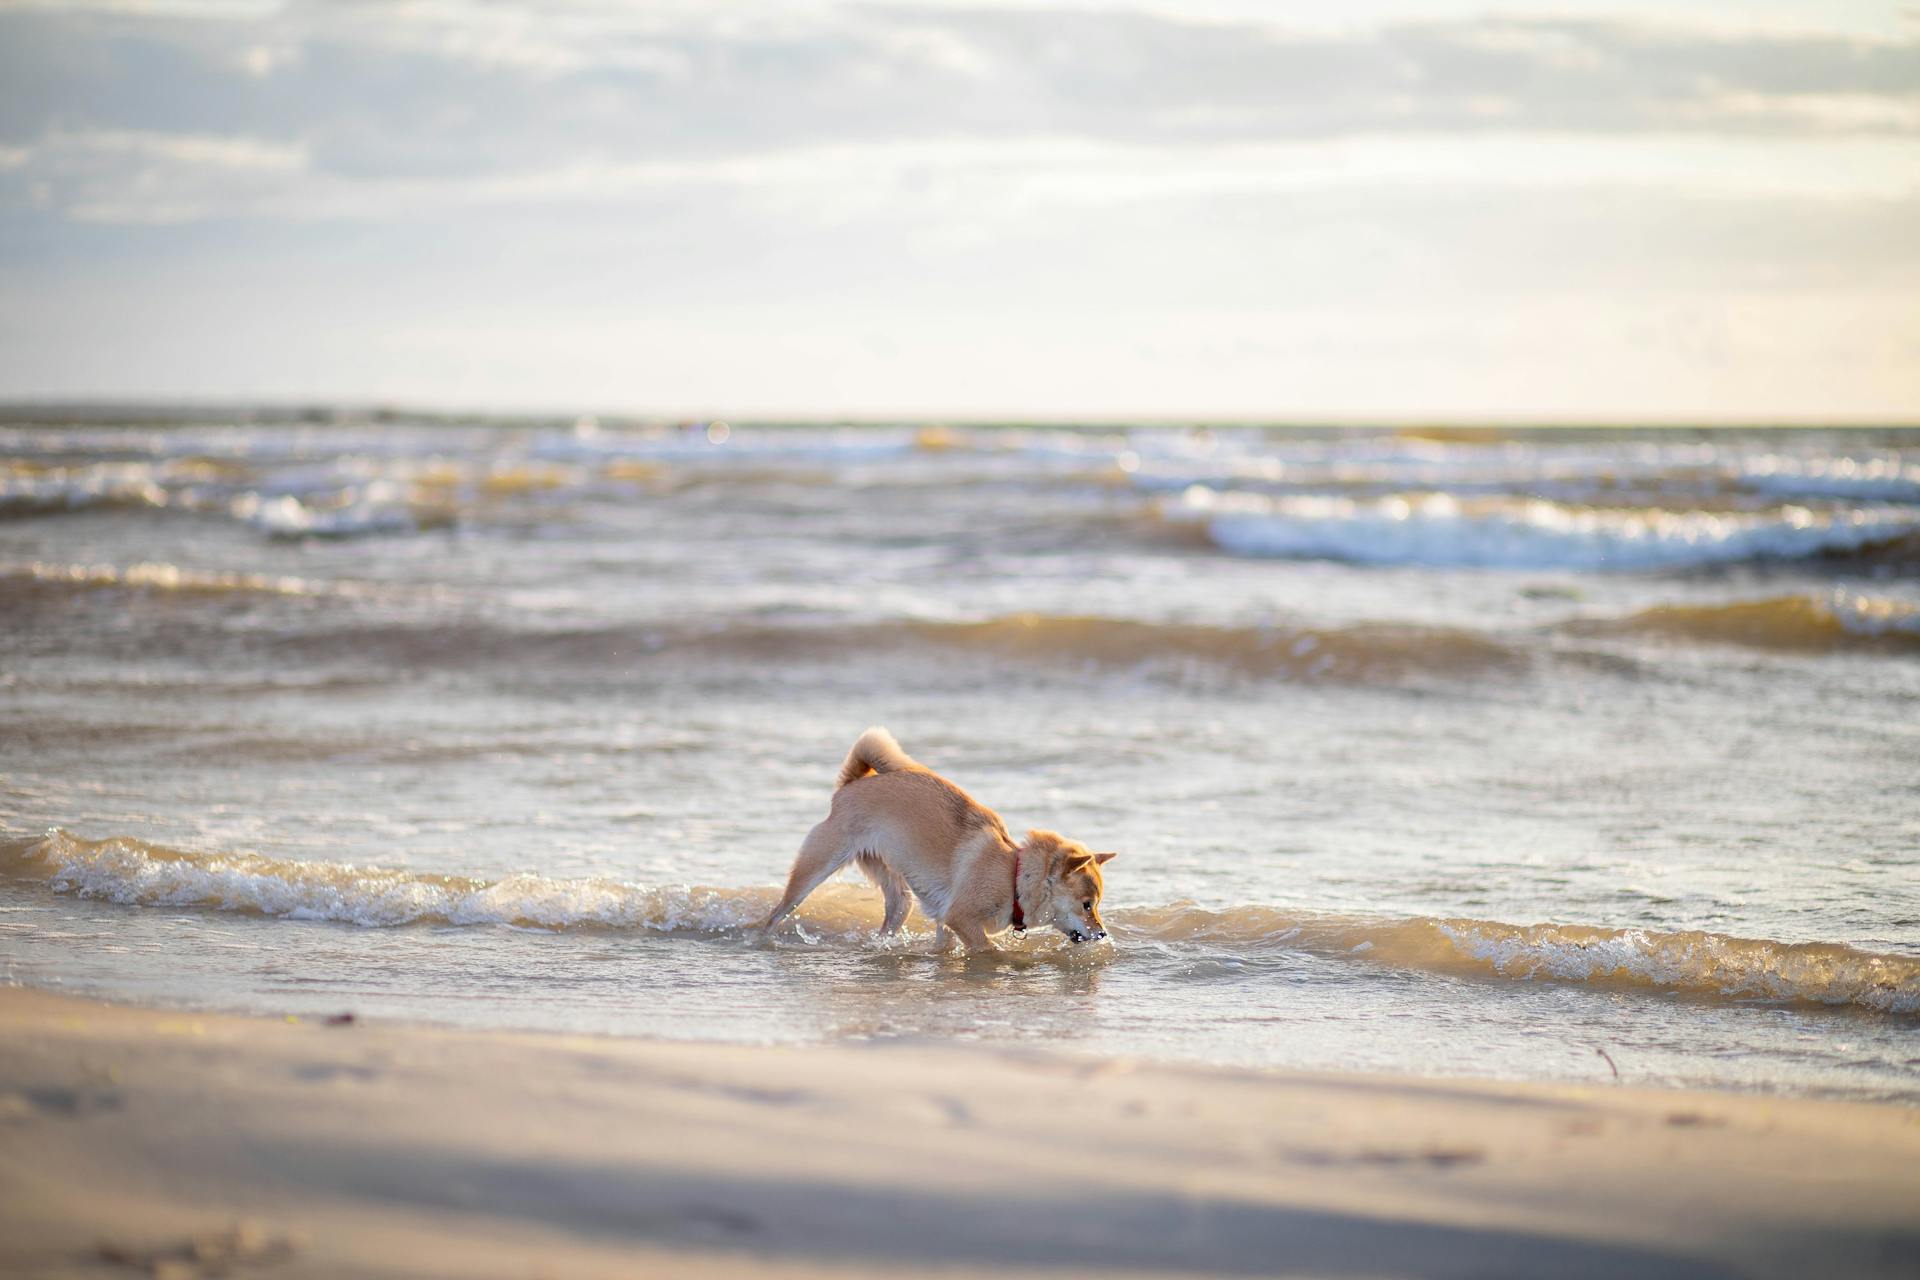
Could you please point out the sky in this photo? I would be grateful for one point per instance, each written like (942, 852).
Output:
(1217, 209)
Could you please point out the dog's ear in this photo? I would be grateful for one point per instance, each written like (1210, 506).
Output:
(1104, 858)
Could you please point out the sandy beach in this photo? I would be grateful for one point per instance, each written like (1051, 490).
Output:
(192, 1144)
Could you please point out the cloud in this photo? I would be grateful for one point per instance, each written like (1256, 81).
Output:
(604, 76)
(197, 151)
(667, 202)
(141, 176)
(324, 110)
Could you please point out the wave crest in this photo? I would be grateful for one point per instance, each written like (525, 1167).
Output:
(135, 872)
(1689, 962)
(1443, 531)
(160, 576)
(1336, 653)
(1791, 624)
(1692, 962)
(1356, 654)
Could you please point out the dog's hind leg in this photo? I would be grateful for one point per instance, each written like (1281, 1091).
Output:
(893, 885)
(970, 933)
(827, 848)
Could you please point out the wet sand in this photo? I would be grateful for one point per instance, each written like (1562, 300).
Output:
(179, 1144)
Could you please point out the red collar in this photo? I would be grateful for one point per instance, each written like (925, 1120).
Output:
(1019, 916)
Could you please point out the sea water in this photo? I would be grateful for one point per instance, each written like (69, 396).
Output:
(1519, 754)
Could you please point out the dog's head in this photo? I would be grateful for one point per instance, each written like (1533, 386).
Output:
(1073, 882)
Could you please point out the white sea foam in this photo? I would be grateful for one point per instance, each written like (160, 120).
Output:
(1875, 479)
(1839, 620)
(136, 872)
(1441, 530)
(1704, 964)
(159, 576)
(1872, 615)
(76, 489)
(378, 508)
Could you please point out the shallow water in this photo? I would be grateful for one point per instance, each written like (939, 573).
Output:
(1467, 753)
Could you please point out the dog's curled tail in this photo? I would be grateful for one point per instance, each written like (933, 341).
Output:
(875, 752)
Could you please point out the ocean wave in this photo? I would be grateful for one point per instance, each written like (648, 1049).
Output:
(705, 443)
(1813, 623)
(1353, 654)
(1690, 962)
(1624, 474)
(1572, 501)
(1884, 478)
(56, 491)
(1841, 621)
(376, 508)
(310, 503)
(1336, 653)
(170, 578)
(136, 872)
(1440, 530)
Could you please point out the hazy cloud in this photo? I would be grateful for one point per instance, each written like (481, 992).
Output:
(991, 208)
(470, 95)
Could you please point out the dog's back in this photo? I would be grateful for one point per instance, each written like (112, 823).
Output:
(892, 784)
(925, 814)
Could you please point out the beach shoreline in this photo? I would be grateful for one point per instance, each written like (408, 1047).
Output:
(170, 1143)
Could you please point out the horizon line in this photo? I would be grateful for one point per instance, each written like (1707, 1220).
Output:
(319, 411)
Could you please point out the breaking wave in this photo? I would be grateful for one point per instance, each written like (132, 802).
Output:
(1695, 963)
(372, 509)
(313, 504)
(159, 576)
(27, 493)
(1335, 653)
(1885, 478)
(139, 873)
(1442, 530)
(1843, 621)
(1814, 623)
(1359, 653)
(1691, 962)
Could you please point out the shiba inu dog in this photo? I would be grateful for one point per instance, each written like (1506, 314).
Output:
(914, 833)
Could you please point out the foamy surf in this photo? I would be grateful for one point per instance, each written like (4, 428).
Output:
(346, 498)
(1884, 479)
(1814, 623)
(159, 576)
(138, 873)
(1442, 530)
(24, 494)
(1838, 620)
(1689, 963)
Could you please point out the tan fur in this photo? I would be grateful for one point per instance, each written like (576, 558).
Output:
(911, 831)
(874, 752)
